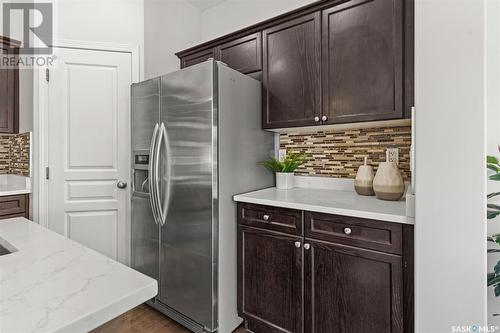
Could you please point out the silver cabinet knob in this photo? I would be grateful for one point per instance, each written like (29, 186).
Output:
(121, 184)
(316, 119)
(347, 231)
(297, 244)
(324, 118)
(307, 246)
(266, 217)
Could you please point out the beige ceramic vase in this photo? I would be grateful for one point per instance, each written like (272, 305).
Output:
(388, 183)
(363, 184)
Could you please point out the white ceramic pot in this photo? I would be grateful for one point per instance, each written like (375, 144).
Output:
(388, 183)
(284, 180)
(363, 184)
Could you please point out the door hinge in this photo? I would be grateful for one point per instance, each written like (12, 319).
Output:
(47, 75)
(47, 173)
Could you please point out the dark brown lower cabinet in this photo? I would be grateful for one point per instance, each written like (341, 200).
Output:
(270, 281)
(289, 282)
(350, 290)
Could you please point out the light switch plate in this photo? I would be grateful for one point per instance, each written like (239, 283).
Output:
(281, 155)
(393, 155)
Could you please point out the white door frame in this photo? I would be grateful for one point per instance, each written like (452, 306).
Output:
(40, 125)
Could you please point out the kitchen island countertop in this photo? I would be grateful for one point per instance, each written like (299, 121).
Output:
(53, 284)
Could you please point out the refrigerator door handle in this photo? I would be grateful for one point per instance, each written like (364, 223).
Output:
(151, 171)
(164, 205)
(156, 178)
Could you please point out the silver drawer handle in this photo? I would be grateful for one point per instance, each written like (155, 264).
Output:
(347, 231)
(297, 244)
(307, 246)
(266, 217)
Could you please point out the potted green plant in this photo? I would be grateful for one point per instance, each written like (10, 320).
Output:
(284, 169)
(493, 164)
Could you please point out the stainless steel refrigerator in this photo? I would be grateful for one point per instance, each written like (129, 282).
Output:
(196, 141)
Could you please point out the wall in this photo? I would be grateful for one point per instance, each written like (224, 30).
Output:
(169, 26)
(116, 21)
(493, 134)
(232, 15)
(450, 227)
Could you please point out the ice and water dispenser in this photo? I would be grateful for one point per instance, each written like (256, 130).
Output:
(140, 171)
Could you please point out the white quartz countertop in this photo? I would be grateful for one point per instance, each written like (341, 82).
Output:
(14, 185)
(53, 284)
(329, 201)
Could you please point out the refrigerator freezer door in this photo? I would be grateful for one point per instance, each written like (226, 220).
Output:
(144, 230)
(188, 171)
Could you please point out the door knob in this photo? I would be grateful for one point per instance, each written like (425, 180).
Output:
(307, 246)
(324, 118)
(121, 184)
(316, 119)
(297, 244)
(266, 217)
(347, 231)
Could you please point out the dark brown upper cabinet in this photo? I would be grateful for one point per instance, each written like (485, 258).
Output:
(9, 89)
(270, 275)
(291, 73)
(243, 54)
(362, 62)
(197, 57)
(350, 289)
(329, 62)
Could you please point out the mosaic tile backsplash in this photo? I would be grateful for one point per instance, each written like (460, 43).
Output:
(339, 153)
(15, 154)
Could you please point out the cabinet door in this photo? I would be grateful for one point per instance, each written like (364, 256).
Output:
(351, 290)
(243, 54)
(9, 96)
(197, 57)
(269, 281)
(363, 61)
(291, 73)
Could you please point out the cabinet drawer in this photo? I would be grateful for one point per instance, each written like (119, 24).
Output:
(365, 233)
(278, 219)
(14, 205)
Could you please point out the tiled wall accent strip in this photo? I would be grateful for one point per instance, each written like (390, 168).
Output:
(4, 154)
(20, 154)
(15, 154)
(339, 153)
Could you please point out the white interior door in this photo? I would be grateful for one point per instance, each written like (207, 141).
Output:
(88, 149)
